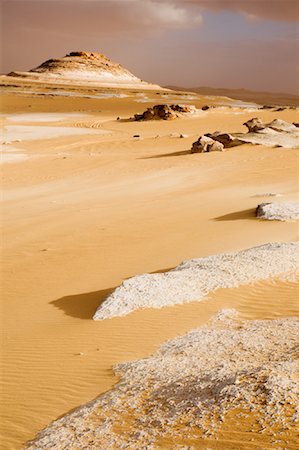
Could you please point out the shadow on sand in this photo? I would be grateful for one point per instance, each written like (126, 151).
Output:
(238, 215)
(166, 155)
(125, 120)
(83, 306)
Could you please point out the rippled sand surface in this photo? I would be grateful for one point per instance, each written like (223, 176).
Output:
(95, 209)
(186, 390)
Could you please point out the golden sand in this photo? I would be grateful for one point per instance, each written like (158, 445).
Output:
(76, 225)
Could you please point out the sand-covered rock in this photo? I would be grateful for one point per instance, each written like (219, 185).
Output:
(284, 211)
(193, 279)
(165, 112)
(277, 133)
(188, 388)
(281, 125)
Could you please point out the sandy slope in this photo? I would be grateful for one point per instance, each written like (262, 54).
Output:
(84, 212)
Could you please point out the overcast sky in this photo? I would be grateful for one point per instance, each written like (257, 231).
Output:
(220, 43)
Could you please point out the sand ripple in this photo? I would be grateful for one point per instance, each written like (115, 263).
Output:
(194, 279)
(190, 385)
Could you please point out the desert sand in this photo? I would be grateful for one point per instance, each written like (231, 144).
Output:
(183, 394)
(89, 206)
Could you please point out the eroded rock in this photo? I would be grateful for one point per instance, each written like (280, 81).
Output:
(254, 125)
(228, 140)
(165, 112)
(277, 133)
(194, 279)
(206, 144)
(283, 211)
(281, 125)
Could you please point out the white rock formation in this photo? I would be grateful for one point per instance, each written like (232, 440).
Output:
(277, 133)
(185, 390)
(85, 67)
(270, 138)
(284, 211)
(192, 280)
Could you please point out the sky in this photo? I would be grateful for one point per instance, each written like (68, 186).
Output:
(250, 44)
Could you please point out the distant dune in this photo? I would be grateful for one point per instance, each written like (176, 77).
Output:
(266, 98)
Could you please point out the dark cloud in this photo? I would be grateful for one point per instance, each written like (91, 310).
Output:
(168, 42)
(278, 10)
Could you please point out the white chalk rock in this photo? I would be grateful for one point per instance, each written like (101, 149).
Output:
(193, 279)
(285, 211)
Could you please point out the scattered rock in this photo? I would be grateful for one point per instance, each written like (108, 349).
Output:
(277, 133)
(267, 194)
(183, 136)
(165, 112)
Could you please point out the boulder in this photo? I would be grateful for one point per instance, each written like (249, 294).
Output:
(254, 125)
(202, 144)
(206, 144)
(205, 108)
(228, 140)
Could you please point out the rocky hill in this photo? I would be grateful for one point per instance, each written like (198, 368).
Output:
(84, 67)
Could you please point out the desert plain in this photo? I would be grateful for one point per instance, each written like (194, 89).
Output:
(92, 198)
